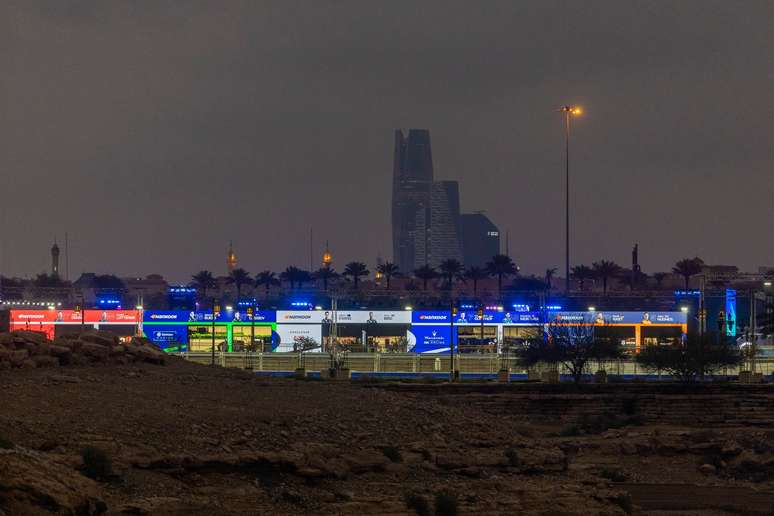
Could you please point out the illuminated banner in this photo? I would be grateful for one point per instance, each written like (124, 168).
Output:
(199, 316)
(369, 317)
(619, 317)
(38, 317)
(471, 317)
(290, 334)
(429, 339)
(303, 316)
(730, 312)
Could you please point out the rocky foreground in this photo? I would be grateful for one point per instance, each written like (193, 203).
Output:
(189, 439)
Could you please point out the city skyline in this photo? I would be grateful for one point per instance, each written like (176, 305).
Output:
(153, 138)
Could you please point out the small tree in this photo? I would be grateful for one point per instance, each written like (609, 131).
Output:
(582, 273)
(389, 270)
(605, 270)
(572, 345)
(239, 278)
(687, 268)
(325, 274)
(451, 270)
(694, 358)
(355, 270)
(425, 274)
(475, 274)
(501, 266)
(266, 279)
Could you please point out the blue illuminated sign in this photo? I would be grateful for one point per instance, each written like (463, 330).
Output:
(730, 312)
(200, 316)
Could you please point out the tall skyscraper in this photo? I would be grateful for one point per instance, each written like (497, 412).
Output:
(412, 179)
(425, 214)
(480, 239)
(444, 233)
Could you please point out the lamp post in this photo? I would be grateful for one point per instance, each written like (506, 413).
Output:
(568, 111)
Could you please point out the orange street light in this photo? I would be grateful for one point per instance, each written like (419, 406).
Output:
(568, 111)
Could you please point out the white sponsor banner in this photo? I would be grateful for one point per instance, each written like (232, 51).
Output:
(343, 316)
(289, 334)
(300, 316)
(373, 317)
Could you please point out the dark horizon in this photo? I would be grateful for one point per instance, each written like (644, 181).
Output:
(153, 136)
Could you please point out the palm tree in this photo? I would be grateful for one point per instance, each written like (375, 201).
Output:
(325, 274)
(388, 270)
(266, 279)
(292, 275)
(451, 269)
(475, 274)
(582, 273)
(355, 270)
(203, 280)
(425, 273)
(549, 276)
(688, 267)
(238, 278)
(659, 277)
(501, 265)
(304, 277)
(605, 270)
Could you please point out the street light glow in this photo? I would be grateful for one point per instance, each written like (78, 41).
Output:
(577, 110)
(766, 283)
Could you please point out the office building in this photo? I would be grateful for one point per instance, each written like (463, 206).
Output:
(480, 239)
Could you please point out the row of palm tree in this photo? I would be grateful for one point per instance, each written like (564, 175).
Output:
(605, 270)
(451, 271)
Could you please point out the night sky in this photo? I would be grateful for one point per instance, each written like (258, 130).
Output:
(155, 132)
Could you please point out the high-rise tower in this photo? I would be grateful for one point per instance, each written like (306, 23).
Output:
(425, 214)
(412, 179)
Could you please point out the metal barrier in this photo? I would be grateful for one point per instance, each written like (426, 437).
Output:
(413, 363)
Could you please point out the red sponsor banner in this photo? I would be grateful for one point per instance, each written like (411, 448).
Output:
(33, 318)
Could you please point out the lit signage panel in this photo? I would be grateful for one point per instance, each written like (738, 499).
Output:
(602, 317)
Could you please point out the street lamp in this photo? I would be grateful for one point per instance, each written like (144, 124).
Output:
(569, 111)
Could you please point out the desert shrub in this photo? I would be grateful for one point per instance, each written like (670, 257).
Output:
(630, 406)
(5, 444)
(698, 356)
(392, 453)
(624, 501)
(445, 504)
(96, 463)
(614, 475)
(417, 503)
(426, 455)
(513, 456)
(571, 430)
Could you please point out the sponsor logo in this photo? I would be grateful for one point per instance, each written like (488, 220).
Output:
(432, 317)
(163, 316)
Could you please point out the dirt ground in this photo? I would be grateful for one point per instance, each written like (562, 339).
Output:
(191, 439)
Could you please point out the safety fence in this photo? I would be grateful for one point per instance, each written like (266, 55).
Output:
(414, 363)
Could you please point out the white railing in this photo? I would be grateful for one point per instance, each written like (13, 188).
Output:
(412, 363)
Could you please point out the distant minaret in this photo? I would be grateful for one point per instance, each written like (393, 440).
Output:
(231, 260)
(327, 259)
(635, 264)
(55, 259)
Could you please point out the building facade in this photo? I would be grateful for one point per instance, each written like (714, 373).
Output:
(425, 213)
(412, 182)
(480, 239)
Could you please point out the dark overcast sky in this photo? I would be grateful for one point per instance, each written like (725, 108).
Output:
(154, 132)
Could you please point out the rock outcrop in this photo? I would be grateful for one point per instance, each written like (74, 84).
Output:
(29, 349)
